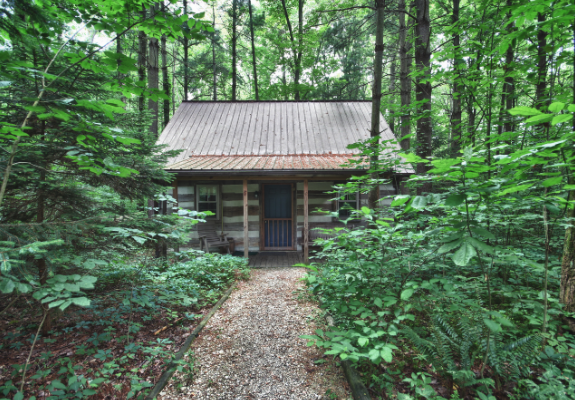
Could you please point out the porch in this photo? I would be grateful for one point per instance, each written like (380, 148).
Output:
(275, 259)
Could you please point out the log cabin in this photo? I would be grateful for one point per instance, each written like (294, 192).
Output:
(263, 167)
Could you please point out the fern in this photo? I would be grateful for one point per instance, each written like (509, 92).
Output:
(453, 349)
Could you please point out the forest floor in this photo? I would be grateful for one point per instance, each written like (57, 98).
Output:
(251, 348)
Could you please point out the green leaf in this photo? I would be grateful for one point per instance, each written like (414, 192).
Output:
(465, 253)
(419, 202)
(378, 302)
(556, 107)
(399, 200)
(406, 294)
(482, 232)
(561, 118)
(539, 119)
(374, 355)
(455, 199)
(6, 285)
(449, 246)
(522, 110)
(556, 180)
(19, 396)
(494, 326)
(514, 189)
(479, 245)
(362, 341)
(571, 107)
(81, 301)
(386, 354)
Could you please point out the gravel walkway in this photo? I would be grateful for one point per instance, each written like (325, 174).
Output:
(251, 348)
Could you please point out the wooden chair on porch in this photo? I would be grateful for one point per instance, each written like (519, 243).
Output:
(209, 237)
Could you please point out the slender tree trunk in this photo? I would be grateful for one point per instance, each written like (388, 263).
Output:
(541, 94)
(296, 48)
(423, 87)
(186, 57)
(153, 78)
(404, 78)
(376, 95)
(391, 102)
(214, 69)
(234, 47)
(567, 289)
(458, 63)
(509, 83)
(165, 79)
(297, 75)
(253, 50)
(142, 47)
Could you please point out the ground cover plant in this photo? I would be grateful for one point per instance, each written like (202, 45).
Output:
(141, 311)
(459, 293)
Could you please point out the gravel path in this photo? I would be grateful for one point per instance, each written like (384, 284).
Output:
(251, 348)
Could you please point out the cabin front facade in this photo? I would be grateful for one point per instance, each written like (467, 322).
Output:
(263, 168)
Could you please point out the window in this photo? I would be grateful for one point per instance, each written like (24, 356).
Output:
(208, 199)
(346, 203)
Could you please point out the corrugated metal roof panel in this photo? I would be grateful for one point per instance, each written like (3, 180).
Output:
(267, 162)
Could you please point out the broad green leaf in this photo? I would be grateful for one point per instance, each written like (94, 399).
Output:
(494, 326)
(465, 253)
(455, 199)
(378, 302)
(419, 202)
(525, 111)
(483, 232)
(406, 294)
(561, 118)
(374, 355)
(514, 189)
(449, 246)
(399, 200)
(556, 180)
(81, 301)
(19, 396)
(6, 285)
(556, 107)
(479, 245)
(571, 108)
(386, 354)
(362, 341)
(539, 119)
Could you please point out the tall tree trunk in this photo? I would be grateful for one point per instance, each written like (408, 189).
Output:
(186, 57)
(423, 87)
(253, 50)
(404, 78)
(376, 95)
(214, 68)
(458, 63)
(567, 289)
(509, 83)
(541, 95)
(142, 50)
(234, 47)
(41, 263)
(165, 78)
(153, 78)
(296, 48)
(391, 102)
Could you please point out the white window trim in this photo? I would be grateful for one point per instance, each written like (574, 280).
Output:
(218, 200)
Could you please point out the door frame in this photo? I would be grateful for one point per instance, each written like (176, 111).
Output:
(293, 217)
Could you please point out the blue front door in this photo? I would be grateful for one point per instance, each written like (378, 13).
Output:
(278, 219)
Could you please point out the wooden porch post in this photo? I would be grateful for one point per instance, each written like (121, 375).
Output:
(246, 238)
(305, 222)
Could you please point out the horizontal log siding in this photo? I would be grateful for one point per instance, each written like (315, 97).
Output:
(233, 203)
(318, 198)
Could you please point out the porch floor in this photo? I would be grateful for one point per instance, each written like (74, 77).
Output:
(270, 259)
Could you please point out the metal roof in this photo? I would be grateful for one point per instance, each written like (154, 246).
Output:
(248, 135)
(265, 162)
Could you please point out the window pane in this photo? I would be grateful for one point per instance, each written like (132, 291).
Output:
(203, 206)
